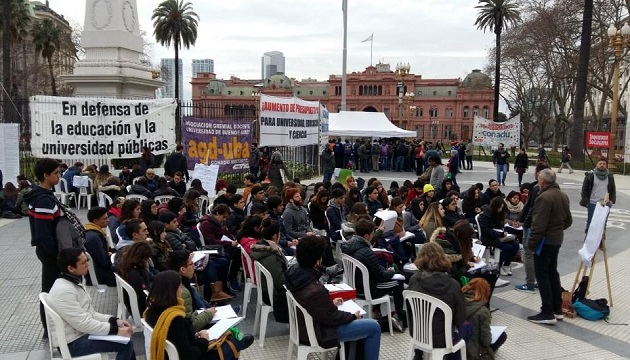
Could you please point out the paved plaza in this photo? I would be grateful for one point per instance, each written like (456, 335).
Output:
(20, 336)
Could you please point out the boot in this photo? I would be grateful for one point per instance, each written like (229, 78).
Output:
(217, 293)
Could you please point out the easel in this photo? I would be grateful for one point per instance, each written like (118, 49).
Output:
(582, 268)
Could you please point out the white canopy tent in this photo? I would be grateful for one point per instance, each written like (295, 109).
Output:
(364, 124)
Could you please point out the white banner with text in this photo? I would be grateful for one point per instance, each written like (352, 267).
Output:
(74, 127)
(489, 133)
(288, 121)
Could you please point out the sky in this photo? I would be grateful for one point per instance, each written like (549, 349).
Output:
(436, 37)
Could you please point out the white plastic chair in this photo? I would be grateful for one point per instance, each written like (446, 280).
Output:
(262, 309)
(203, 203)
(121, 313)
(171, 351)
(57, 335)
(163, 198)
(108, 236)
(250, 283)
(487, 253)
(92, 272)
(138, 197)
(294, 333)
(85, 193)
(203, 241)
(350, 267)
(104, 200)
(420, 311)
(65, 196)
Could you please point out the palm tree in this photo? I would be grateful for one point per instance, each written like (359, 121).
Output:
(175, 21)
(577, 130)
(497, 15)
(47, 41)
(19, 26)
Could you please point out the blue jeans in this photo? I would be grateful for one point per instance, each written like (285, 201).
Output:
(83, 346)
(590, 208)
(327, 177)
(400, 163)
(383, 165)
(508, 250)
(367, 329)
(501, 168)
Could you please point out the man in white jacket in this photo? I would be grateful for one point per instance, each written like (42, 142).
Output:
(69, 298)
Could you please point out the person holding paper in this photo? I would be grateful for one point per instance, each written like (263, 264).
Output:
(514, 210)
(597, 183)
(69, 298)
(480, 345)
(551, 216)
(491, 223)
(331, 325)
(167, 314)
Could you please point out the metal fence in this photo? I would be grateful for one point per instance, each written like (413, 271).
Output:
(301, 162)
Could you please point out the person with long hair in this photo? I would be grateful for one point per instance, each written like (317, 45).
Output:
(433, 279)
(130, 209)
(382, 194)
(10, 195)
(167, 314)
(164, 189)
(248, 235)
(147, 159)
(160, 248)
(101, 178)
(317, 209)
(451, 213)
(480, 345)
(269, 254)
(195, 184)
(134, 269)
(349, 183)
(148, 211)
(189, 219)
(472, 203)
(352, 197)
(276, 169)
(521, 164)
(494, 218)
(432, 219)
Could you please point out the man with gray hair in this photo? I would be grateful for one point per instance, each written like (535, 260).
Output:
(551, 216)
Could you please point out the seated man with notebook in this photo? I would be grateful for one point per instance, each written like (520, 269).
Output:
(69, 298)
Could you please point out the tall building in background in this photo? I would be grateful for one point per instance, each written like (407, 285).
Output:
(271, 63)
(202, 65)
(167, 67)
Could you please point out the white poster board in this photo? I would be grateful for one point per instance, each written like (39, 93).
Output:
(72, 127)
(489, 133)
(594, 234)
(288, 121)
(10, 154)
(208, 175)
(389, 217)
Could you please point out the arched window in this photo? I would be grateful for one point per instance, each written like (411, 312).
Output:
(476, 110)
(419, 112)
(466, 112)
(361, 90)
(380, 90)
(486, 112)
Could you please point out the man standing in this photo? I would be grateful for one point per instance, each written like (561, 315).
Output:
(597, 183)
(175, 162)
(469, 154)
(550, 218)
(500, 162)
(437, 172)
(43, 212)
(328, 163)
(254, 160)
(376, 155)
(72, 302)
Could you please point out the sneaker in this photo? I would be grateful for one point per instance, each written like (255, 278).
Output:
(501, 283)
(248, 340)
(526, 288)
(506, 271)
(559, 315)
(543, 319)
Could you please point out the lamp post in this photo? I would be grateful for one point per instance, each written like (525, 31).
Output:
(402, 70)
(617, 39)
(256, 97)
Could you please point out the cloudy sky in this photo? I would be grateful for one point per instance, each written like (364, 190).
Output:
(436, 37)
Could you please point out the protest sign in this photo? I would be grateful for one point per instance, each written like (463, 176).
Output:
(288, 121)
(208, 175)
(217, 142)
(489, 133)
(73, 127)
(597, 139)
(10, 154)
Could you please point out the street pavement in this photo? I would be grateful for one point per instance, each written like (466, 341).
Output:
(20, 337)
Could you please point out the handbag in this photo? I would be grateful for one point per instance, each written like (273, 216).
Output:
(70, 219)
(223, 339)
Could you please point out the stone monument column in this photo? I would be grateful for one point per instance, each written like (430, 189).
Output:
(113, 45)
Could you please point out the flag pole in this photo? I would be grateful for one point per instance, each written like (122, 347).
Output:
(371, 46)
(344, 8)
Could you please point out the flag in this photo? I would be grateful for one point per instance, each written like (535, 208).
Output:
(369, 38)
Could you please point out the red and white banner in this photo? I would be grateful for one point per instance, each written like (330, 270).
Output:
(597, 139)
(288, 121)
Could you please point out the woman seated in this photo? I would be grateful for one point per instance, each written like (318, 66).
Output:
(189, 220)
(164, 189)
(134, 269)
(433, 279)
(9, 199)
(167, 315)
(451, 213)
(513, 214)
(352, 197)
(248, 235)
(195, 184)
(432, 219)
(491, 222)
(160, 248)
(148, 211)
(480, 345)
(268, 253)
(331, 325)
(24, 187)
(317, 210)
(472, 203)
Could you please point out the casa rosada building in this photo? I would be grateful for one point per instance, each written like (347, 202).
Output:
(437, 109)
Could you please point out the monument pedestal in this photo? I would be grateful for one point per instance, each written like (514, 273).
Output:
(113, 46)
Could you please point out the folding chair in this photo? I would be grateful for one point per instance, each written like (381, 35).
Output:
(85, 192)
(488, 252)
(92, 272)
(121, 313)
(65, 196)
(163, 198)
(138, 197)
(171, 351)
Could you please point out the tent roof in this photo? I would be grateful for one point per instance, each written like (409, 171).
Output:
(364, 124)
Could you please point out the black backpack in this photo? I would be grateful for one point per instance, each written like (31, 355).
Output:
(580, 292)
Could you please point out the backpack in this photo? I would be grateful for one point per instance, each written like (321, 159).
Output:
(592, 309)
(580, 291)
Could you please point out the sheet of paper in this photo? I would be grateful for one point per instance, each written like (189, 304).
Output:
(112, 338)
(209, 252)
(337, 287)
(478, 265)
(225, 238)
(351, 307)
(224, 312)
(379, 249)
(197, 255)
(408, 235)
(478, 250)
(219, 328)
(496, 332)
(398, 277)
(389, 217)
(516, 228)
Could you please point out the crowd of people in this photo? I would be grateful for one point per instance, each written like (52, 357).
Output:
(154, 242)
